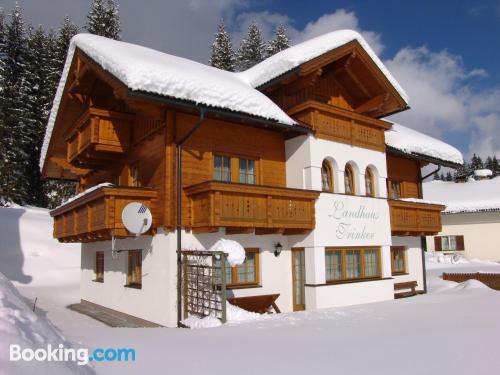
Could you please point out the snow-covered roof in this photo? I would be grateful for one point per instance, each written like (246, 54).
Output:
(412, 142)
(483, 173)
(146, 70)
(292, 57)
(84, 193)
(472, 196)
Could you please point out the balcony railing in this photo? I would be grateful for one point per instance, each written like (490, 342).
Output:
(242, 207)
(415, 218)
(98, 135)
(96, 216)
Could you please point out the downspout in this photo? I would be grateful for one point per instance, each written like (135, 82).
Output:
(423, 240)
(179, 215)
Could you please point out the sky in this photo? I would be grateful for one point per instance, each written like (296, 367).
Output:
(444, 53)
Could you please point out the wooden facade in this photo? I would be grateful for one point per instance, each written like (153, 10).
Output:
(104, 134)
(414, 219)
(97, 215)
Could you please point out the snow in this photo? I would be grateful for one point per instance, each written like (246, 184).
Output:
(483, 173)
(288, 59)
(235, 252)
(20, 326)
(441, 328)
(470, 196)
(418, 200)
(234, 315)
(146, 70)
(411, 141)
(85, 192)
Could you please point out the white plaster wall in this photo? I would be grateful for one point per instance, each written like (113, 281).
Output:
(414, 267)
(275, 272)
(305, 155)
(324, 296)
(481, 231)
(156, 301)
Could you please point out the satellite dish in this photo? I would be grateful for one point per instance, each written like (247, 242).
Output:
(137, 218)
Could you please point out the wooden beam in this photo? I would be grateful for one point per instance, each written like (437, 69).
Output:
(239, 230)
(264, 231)
(373, 104)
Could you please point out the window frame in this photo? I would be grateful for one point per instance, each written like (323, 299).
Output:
(349, 175)
(459, 242)
(132, 280)
(99, 267)
(234, 167)
(369, 173)
(327, 165)
(361, 250)
(247, 160)
(394, 250)
(235, 284)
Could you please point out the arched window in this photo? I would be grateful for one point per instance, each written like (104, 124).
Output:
(326, 176)
(369, 183)
(349, 180)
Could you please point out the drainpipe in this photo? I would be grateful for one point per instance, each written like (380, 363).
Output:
(179, 216)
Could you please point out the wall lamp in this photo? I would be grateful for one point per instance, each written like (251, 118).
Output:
(277, 249)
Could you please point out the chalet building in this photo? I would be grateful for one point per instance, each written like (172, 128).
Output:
(471, 220)
(291, 154)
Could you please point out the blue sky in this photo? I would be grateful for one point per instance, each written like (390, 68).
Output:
(445, 54)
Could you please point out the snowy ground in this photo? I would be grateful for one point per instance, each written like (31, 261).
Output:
(452, 330)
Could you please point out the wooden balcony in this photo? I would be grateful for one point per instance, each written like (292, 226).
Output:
(242, 208)
(98, 135)
(97, 216)
(415, 219)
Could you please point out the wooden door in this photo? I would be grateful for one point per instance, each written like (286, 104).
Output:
(298, 279)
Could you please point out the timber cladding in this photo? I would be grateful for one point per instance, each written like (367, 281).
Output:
(217, 137)
(406, 173)
(340, 125)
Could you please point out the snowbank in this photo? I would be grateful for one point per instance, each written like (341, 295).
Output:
(471, 196)
(483, 173)
(20, 326)
(234, 314)
(292, 57)
(235, 252)
(411, 141)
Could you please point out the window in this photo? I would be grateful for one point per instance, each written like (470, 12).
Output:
(134, 176)
(449, 243)
(246, 274)
(326, 176)
(222, 168)
(398, 260)
(247, 171)
(369, 183)
(352, 264)
(99, 266)
(395, 189)
(349, 180)
(134, 274)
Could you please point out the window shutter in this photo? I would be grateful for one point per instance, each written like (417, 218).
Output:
(437, 243)
(460, 242)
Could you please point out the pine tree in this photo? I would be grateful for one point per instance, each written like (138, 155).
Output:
(449, 177)
(462, 173)
(223, 56)
(280, 41)
(67, 30)
(495, 166)
(251, 49)
(442, 177)
(40, 91)
(437, 177)
(104, 19)
(476, 163)
(16, 137)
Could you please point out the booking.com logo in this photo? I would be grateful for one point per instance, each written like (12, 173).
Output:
(81, 356)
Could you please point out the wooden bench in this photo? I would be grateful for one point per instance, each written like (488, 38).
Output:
(258, 304)
(412, 285)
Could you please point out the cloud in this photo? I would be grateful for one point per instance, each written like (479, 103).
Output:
(444, 99)
(340, 19)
